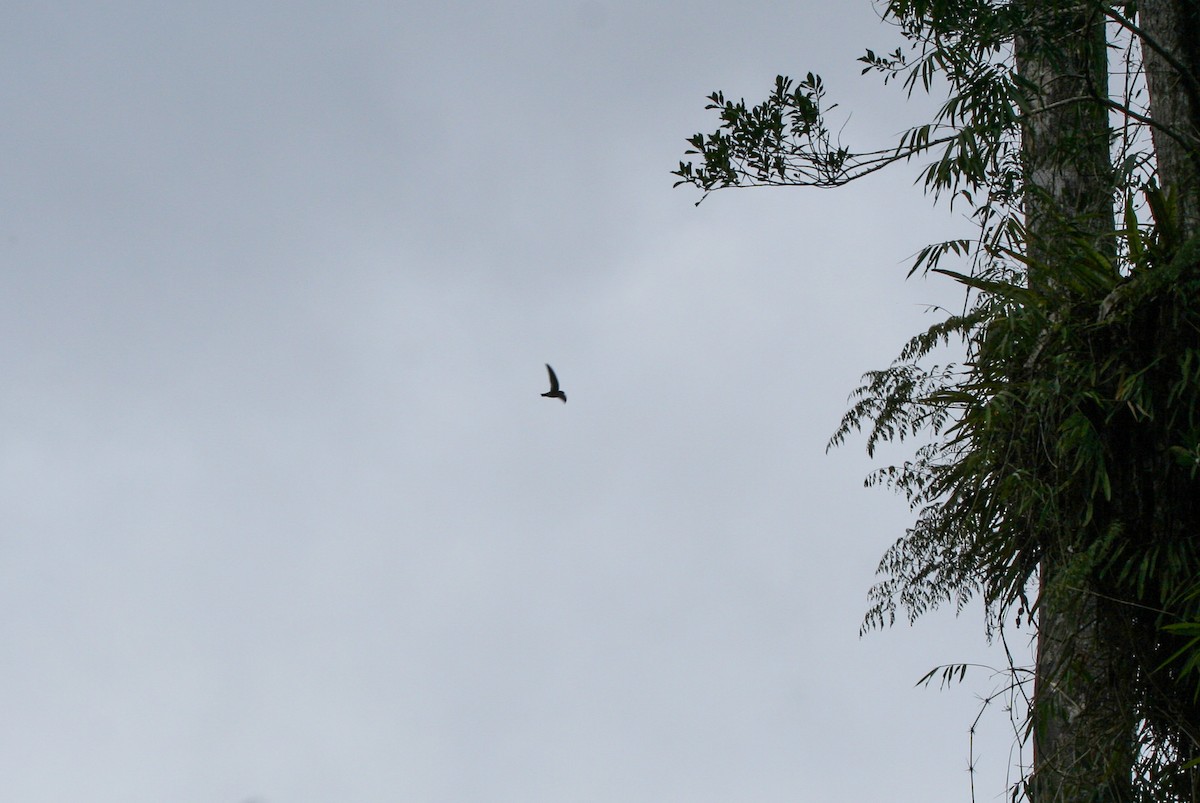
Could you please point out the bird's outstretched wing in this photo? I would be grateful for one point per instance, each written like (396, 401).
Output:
(553, 379)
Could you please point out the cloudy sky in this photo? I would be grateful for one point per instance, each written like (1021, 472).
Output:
(283, 517)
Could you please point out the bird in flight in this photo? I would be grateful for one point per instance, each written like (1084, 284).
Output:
(554, 392)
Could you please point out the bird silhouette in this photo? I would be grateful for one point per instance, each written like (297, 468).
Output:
(554, 392)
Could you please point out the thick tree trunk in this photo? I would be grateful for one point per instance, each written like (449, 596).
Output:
(1083, 746)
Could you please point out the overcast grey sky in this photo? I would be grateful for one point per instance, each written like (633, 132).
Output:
(283, 517)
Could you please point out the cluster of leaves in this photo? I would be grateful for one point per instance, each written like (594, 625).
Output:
(783, 140)
(1062, 388)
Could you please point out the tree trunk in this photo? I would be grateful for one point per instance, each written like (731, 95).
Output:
(1083, 728)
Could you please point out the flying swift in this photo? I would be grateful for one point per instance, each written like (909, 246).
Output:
(554, 392)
